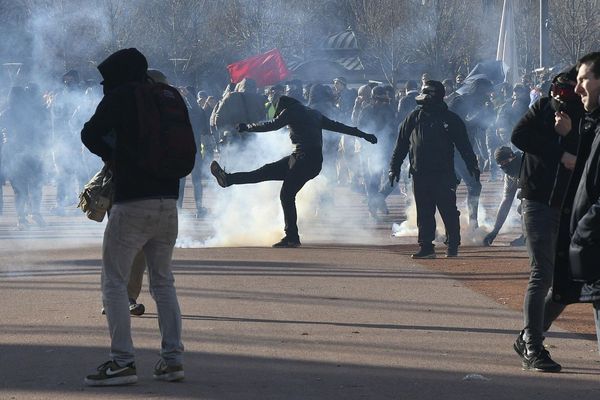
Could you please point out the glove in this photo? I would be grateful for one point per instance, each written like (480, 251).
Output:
(370, 138)
(393, 176)
(242, 127)
(489, 238)
(475, 173)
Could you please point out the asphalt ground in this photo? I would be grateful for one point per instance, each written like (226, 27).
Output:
(353, 318)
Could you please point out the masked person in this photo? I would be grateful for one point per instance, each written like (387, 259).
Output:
(144, 212)
(548, 136)
(429, 135)
(510, 163)
(474, 107)
(295, 170)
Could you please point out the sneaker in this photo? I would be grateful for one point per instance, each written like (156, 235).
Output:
(169, 373)
(219, 173)
(520, 346)
(111, 374)
(22, 224)
(201, 213)
(540, 361)
(451, 252)
(39, 220)
(135, 308)
(286, 242)
(520, 241)
(425, 252)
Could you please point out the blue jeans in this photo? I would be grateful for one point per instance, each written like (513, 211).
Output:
(149, 226)
(540, 223)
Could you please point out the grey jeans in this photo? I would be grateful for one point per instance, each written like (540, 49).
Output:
(540, 223)
(151, 226)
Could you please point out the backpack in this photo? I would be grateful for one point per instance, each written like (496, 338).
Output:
(167, 148)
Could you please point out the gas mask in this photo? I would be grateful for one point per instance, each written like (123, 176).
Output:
(563, 94)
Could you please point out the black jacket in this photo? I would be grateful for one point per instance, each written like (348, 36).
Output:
(112, 133)
(542, 170)
(381, 120)
(305, 125)
(579, 230)
(430, 134)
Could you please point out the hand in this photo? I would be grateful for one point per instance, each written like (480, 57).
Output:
(562, 123)
(393, 176)
(242, 127)
(370, 138)
(489, 238)
(568, 160)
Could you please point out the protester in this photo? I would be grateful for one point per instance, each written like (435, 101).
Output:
(295, 170)
(548, 136)
(144, 212)
(510, 163)
(429, 135)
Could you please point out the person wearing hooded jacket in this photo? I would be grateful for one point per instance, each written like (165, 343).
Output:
(143, 217)
(305, 125)
(378, 116)
(474, 108)
(429, 135)
(547, 134)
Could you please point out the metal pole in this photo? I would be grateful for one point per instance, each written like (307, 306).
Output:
(544, 34)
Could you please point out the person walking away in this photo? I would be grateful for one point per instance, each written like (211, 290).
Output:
(124, 132)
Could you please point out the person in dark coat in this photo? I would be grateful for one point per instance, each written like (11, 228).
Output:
(474, 107)
(380, 117)
(295, 170)
(548, 136)
(429, 135)
(510, 163)
(576, 269)
(143, 218)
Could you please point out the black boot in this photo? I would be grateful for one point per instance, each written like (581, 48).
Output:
(425, 252)
(219, 173)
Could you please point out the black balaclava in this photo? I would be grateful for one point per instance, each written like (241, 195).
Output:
(123, 66)
(284, 103)
(513, 167)
(432, 94)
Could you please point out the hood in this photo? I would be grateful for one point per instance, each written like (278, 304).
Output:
(123, 66)
(246, 85)
(284, 103)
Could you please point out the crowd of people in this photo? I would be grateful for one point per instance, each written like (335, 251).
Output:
(543, 138)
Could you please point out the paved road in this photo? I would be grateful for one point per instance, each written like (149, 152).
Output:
(327, 321)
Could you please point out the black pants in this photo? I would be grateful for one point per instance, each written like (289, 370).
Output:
(294, 170)
(432, 192)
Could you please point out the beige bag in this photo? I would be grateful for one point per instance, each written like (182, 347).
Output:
(97, 195)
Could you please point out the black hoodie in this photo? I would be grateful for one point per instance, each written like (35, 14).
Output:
(305, 125)
(113, 131)
(543, 178)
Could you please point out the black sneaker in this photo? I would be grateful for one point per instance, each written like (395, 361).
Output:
(135, 308)
(219, 173)
(112, 374)
(540, 361)
(520, 346)
(286, 242)
(425, 252)
(169, 373)
(451, 252)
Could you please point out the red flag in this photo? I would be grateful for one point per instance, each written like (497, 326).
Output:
(266, 69)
